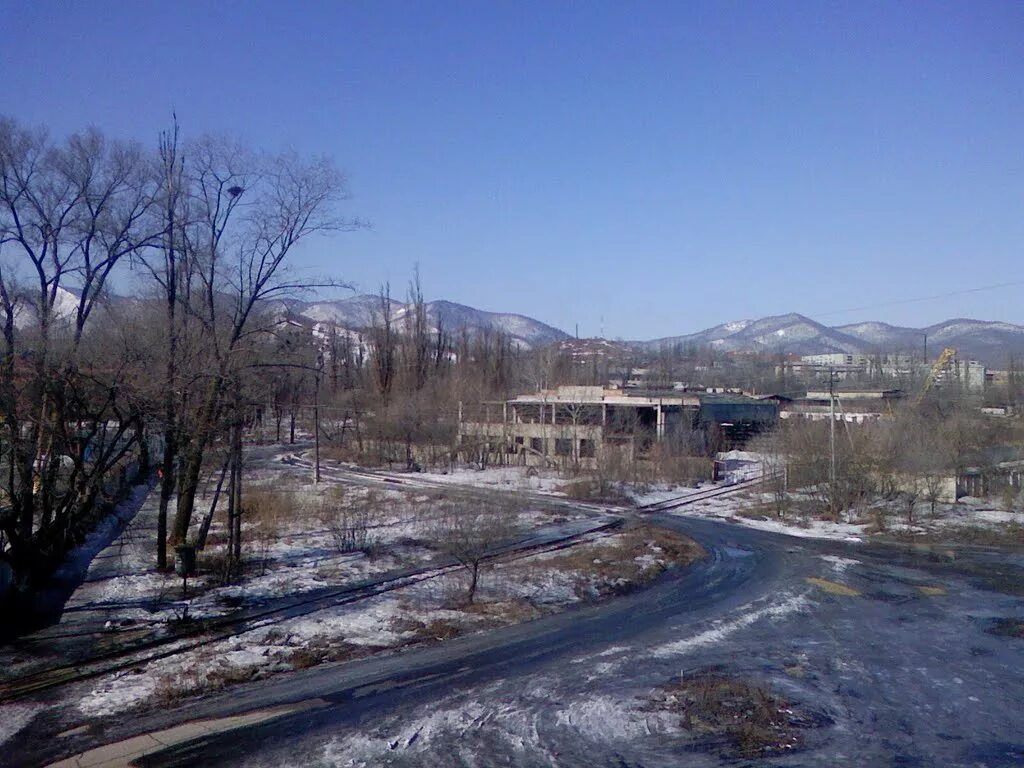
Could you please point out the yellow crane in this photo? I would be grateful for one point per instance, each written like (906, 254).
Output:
(940, 364)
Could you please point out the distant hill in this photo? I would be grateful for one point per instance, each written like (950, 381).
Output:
(782, 333)
(363, 311)
(990, 342)
(987, 341)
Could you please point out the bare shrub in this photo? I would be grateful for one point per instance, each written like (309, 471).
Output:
(593, 489)
(667, 463)
(612, 566)
(351, 522)
(267, 511)
(470, 532)
(753, 720)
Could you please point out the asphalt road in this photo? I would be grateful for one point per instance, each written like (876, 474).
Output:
(904, 672)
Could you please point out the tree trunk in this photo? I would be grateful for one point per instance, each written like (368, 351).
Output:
(204, 528)
(188, 482)
(236, 537)
(473, 578)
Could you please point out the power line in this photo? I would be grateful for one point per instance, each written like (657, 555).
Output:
(898, 302)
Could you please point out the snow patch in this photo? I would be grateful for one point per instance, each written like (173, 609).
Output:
(840, 564)
(14, 717)
(722, 629)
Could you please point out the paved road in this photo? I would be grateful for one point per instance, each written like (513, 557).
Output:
(902, 673)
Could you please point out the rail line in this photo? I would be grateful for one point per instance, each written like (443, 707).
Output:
(692, 498)
(412, 482)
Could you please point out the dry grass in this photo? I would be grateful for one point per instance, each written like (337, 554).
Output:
(265, 506)
(1008, 628)
(478, 615)
(612, 566)
(752, 721)
(352, 522)
(758, 510)
(432, 630)
(591, 489)
(1009, 534)
(322, 652)
(502, 612)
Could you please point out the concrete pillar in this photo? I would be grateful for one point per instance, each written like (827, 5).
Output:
(660, 419)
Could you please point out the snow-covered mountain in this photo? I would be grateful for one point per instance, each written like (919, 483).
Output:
(990, 342)
(354, 312)
(782, 333)
(363, 311)
(884, 335)
(65, 305)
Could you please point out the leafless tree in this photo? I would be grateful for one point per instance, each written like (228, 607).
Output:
(71, 214)
(248, 213)
(470, 533)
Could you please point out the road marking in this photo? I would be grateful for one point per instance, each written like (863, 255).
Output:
(833, 587)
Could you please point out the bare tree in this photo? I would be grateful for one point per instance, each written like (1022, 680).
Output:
(71, 214)
(384, 347)
(239, 250)
(471, 533)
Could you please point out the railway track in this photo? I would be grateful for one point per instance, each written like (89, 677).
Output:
(411, 481)
(702, 495)
(190, 636)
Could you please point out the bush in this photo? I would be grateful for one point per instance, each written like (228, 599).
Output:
(752, 720)
(352, 523)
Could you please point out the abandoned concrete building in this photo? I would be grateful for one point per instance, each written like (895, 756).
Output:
(851, 405)
(581, 424)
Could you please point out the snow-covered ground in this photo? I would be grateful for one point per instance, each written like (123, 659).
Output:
(747, 508)
(291, 544)
(429, 609)
(506, 478)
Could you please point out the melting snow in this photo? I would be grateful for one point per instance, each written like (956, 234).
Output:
(14, 717)
(722, 629)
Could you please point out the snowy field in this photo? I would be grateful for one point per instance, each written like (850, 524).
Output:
(431, 609)
(751, 508)
(538, 480)
(292, 550)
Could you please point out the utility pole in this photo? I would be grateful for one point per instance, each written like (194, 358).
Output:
(832, 439)
(316, 417)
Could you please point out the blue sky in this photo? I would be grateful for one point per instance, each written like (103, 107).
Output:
(663, 166)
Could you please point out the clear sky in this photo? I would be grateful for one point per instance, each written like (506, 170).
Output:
(663, 166)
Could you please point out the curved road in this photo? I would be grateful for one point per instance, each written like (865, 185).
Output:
(900, 669)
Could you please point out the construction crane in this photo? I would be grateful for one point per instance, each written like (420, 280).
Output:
(940, 364)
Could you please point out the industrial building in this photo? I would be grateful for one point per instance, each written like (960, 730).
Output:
(579, 424)
(850, 405)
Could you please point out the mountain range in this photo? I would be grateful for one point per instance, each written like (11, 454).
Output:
(990, 342)
(987, 341)
(363, 311)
